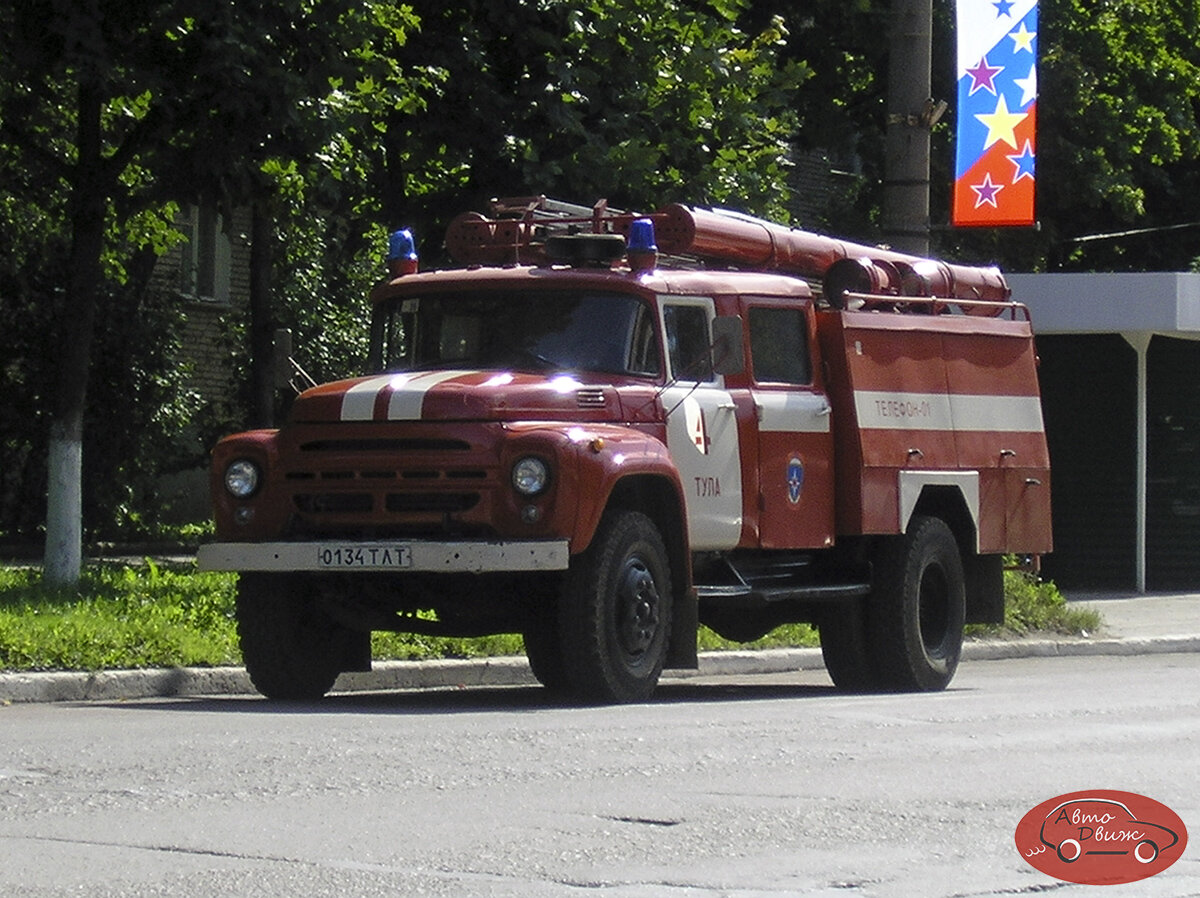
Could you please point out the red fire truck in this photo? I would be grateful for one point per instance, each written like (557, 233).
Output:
(606, 429)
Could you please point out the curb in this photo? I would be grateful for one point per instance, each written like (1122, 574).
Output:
(189, 682)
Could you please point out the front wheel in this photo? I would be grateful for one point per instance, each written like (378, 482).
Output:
(292, 650)
(544, 648)
(917, 611)
(615, 611)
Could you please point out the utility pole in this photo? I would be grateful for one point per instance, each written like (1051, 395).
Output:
(910, 115)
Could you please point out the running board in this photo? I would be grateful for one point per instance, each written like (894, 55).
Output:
(744, 594)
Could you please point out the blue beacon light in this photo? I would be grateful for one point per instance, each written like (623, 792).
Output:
(641, 249)
(402, 253)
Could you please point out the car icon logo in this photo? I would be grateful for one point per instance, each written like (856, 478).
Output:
(1101, 826)
(1101, 837)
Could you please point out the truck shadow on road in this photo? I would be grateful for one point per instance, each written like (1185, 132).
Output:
(469, 700)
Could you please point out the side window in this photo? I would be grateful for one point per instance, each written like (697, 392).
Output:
(779, 346)
(643, 348)
(688, 342)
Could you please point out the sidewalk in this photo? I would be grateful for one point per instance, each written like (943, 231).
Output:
(1133, 625)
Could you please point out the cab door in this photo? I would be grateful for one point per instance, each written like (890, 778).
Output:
(795, 434)
(702, 432)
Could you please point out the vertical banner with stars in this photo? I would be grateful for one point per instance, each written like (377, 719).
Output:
(997, 112)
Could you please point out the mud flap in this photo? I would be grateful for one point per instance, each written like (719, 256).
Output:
(681, 652)
(985, 588)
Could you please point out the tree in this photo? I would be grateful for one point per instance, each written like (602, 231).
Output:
(1119, 116)
(1117, 121)
(636, 101)
(105, 99)
(283, 87)
(64, 115)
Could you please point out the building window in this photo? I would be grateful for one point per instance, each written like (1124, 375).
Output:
(205, 260)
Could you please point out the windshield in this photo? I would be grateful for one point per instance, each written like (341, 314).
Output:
(612, 333)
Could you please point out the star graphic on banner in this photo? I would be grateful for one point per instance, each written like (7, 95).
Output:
(1003, 8)
(1028, 86)
(1001, 124)
(983, 76)
(1022, 39)
(1024, 162)
(985, 193)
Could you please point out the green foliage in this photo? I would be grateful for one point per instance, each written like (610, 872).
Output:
(786, 636)
(1123, 99)
(129, 114)
(637, 101)
(415, 647)
(119, 617)
(703, 108)
(1033, 604)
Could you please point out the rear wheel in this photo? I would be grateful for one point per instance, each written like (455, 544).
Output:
(916, 613)
(845, 648)
(292, 650)
(615, 612)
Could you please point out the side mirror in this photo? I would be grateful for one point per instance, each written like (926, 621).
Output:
(728, 355)
(281, 357)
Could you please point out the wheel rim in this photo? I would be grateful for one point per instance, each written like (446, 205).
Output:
(1150, 853)
(934, 613)
(637, 608)
(1069, 847)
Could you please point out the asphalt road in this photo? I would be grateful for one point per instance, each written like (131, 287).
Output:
(742, 787)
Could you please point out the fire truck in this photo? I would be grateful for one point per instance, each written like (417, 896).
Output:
(603, 430)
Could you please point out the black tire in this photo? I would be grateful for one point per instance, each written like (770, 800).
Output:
(292, 650)
(916, 613)
(846, 650)
(544, 649)
(615, 612)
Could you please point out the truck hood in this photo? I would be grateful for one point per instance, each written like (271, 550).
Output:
(443, 395)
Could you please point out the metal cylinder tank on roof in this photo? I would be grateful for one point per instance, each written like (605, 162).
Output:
(750, 242)
(741, 241)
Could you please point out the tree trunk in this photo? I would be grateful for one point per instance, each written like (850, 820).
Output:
(262, 321)
(64, 501)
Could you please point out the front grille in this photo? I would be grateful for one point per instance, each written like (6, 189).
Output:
(443, 503)
(334, 503)
(395, 503)
(377, 474)
(393, 483)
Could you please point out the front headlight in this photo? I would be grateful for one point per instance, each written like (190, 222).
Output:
(530, 476)
(242, 478)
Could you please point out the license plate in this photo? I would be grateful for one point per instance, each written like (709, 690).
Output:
(384, 556)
